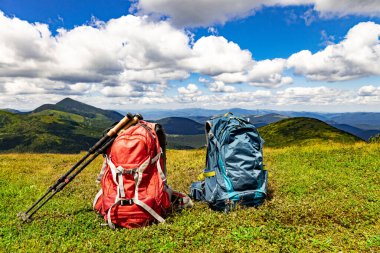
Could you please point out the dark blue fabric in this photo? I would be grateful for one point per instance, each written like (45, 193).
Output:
(234, 152)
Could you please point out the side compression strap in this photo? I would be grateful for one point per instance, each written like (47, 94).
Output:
(102, 171)
(100, 192)
(149, 210)
(113, 169)
(203, 175)
(160, 171)
(109, 220)
(167, 188)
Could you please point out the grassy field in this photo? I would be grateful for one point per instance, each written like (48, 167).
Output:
(323, 198)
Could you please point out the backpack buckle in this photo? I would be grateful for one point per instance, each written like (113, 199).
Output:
(123, 171)
(130, 171)
(124, 202)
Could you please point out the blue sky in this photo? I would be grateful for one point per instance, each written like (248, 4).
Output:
(312, 56)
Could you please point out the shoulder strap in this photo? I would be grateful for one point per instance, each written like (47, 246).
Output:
(162, 140)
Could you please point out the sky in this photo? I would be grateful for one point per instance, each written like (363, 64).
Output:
(302, 55)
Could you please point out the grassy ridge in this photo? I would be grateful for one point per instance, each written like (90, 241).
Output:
(303, 131)
(50, 131)
(322, 198)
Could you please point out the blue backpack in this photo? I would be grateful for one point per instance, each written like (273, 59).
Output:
(234, 171)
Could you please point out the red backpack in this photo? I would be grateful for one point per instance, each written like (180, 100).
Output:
(133, 179)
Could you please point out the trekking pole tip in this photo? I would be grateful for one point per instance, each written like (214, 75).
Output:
(24, 217)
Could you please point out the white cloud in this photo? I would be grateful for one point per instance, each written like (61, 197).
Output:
(27, 86)
(22, 87)
(198, 12)
(356, 56)
(219, 86)
(132, 59)
(129, 55)
(28, 102)
(81, 88)
(24, 47)
(188, 94)
(128, 44)
(119, 91)
(153, 100)
(268, 73)
(117, 53)
(265, 73)
(193, 13)
(237, 77)
(312, 95)
(190, 91)
(368, 95)
(225, 61)
(346, 7)
(252, 98)
(369, 91)
(309, 96)
(214, 55)
(203, 80)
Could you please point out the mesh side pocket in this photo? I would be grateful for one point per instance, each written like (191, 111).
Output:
(197, 191)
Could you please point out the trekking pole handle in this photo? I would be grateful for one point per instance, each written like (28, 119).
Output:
(133, 121)
(119, 125)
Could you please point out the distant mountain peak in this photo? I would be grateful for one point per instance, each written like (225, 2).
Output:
(73, 103)
(67, 99)
(73, 106)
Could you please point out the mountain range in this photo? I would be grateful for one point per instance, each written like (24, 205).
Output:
(361, 120)
(177, 125)
(70, 126)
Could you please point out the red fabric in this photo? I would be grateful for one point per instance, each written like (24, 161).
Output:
(130, 150)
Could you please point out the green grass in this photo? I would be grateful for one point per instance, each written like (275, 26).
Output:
(323, 198)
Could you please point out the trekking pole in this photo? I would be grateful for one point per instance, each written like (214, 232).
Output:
(97, 149)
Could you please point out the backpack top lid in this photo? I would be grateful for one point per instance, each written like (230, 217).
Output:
(218, 126)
